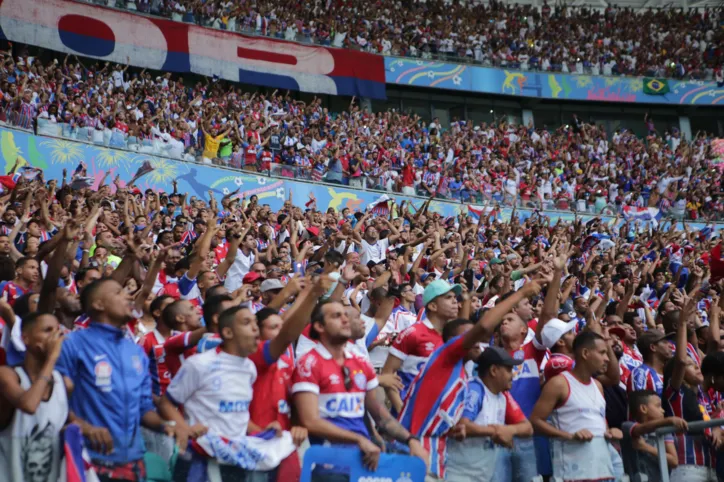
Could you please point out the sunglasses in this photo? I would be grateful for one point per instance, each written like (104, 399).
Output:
(347, 378)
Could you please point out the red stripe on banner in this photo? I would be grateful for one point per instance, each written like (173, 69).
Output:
(265, 56)
(82, 25)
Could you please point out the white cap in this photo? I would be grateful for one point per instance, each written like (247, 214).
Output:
(554, 330)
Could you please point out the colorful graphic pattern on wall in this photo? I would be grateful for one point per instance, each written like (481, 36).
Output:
(158, 44)
(53, 155)
(470, 78)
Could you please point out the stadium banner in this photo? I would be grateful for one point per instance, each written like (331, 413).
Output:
(159, 44)
(471, 78)
(54, 154)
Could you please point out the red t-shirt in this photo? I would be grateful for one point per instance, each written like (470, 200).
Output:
(271, 400)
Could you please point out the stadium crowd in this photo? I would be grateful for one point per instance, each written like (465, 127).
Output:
(668, 42)
(577, 166)
(493, 350)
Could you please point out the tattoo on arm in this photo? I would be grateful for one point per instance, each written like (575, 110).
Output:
(391, 428)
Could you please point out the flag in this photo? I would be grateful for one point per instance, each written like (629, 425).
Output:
(380, 207)
(145, 168)
(76, 459)
(476, 211)
(655, 86)
(263, 451)
(631, 213)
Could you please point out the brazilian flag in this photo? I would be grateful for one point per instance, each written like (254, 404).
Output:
(654, 86)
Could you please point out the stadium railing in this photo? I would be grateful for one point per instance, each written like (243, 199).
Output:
(694, 428)
(368, 182)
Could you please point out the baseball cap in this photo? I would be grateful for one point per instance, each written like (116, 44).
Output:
(554, 330)
(251, 277)
(619, 331)
(496, 261)
(649, 338)
(494, 355)
(271, 284)
(371, 263)
(437, 288)
(427, 275)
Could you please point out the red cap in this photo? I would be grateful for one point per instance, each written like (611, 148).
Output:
(250, 277)
(313, 230)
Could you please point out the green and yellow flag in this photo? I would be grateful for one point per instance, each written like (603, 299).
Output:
(654, 86)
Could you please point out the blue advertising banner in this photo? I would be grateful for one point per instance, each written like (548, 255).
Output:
(470, 78)
(54, 154)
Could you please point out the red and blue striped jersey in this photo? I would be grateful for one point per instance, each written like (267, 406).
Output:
(152, 344)
(414, 346)
(435, 401)
(643, 377)
(690, 449)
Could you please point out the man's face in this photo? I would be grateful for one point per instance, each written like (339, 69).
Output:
(337, 325)
(208, 279)
(10, 216)
(512, 327)
(243, 332)
(503, 376)
(445, 306)
(29, 272)
(524, 310)
(90, 276)
(178, 232)
(36, 338)
(357, 326)
(4, 245)
(113, 301)
(408, 294)
(173, 257)
(271, 327)
(598, 357)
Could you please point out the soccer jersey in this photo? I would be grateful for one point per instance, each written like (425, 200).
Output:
(526, 377)
(414, 346)
(341, 391)
(690, 449)
(12, 291)
(215, 388)
(643, 377)
(152, 344)
(175, 350)
(272, 389)
(400, 319)
(469, 458)
(189, 290)
(435, 401)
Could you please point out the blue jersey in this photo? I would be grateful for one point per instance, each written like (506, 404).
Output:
(435, 401)
(112, 387)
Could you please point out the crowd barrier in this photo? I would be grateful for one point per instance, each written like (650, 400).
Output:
(391, 467)
(694, 428)
(54, 154)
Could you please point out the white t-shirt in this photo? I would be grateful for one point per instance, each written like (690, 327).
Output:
(374, 252)
(215, 389)
(241, 266)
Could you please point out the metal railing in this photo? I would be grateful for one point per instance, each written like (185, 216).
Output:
(694, 428)
(302, 38)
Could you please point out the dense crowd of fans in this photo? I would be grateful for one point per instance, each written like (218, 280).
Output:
(577, 166)
(243, 333)
(669, 42)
